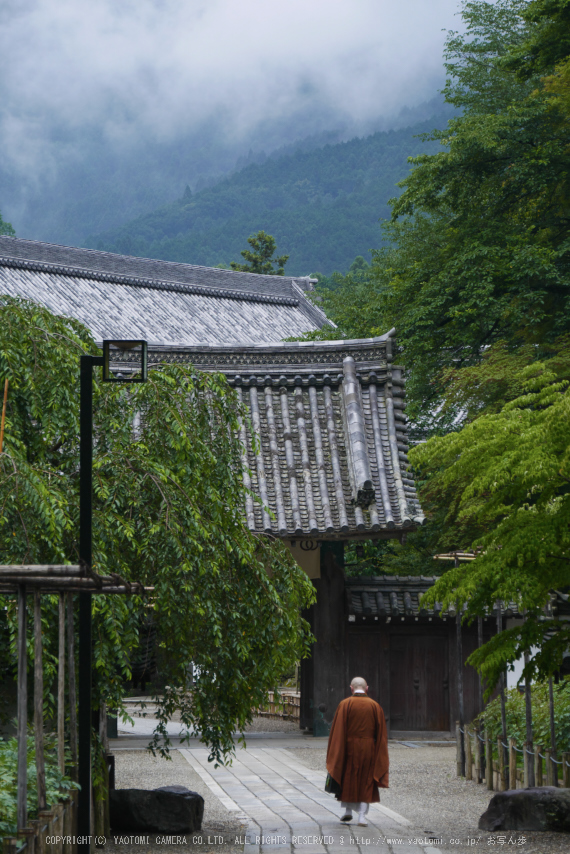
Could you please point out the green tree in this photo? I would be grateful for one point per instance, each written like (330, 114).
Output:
(261, 259)
(168, 499)
(6, 228)
(547, 44)
(478, 248)
(476, 280)
(504, 481)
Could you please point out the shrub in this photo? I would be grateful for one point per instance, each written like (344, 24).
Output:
(57, 783)
(515, 708)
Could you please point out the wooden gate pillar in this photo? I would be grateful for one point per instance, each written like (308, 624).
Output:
(328, 652)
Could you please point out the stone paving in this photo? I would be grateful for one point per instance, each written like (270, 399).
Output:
(285, 808)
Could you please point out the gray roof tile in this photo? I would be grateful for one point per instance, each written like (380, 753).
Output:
(116, 296)
(324, 442)
(313, 473)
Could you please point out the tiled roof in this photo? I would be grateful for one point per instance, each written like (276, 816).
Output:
(394, 596)
(325, 440)
(118, 296)
(325, 444)
(388, 596)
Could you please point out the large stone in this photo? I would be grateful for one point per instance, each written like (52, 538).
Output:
(168, 809)
(545, 808)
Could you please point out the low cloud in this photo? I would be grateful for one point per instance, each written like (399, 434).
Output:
(108, 108)
(163, 67)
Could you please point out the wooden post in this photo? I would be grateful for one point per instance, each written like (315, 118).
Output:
(103, 815)
(528, 716)
(476, 754)
(502, 750)
(480, 678)
(527, 763)
(457, 749)
(512, 763)
(57, 829)
(551, 769)
(488, 761)
(501, 765)
(22, 811)
(46, 829)
(481, 751)
(538, 765)
(28, 834)
(35, 824)
(39, 702)
(566, 770)
(3, 414)
(72, 685)
(460, 705)
(103, 726)
(552, 733)
(468, 756)
(61, 687)
(9, 845)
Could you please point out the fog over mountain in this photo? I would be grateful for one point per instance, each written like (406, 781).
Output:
(109, 109)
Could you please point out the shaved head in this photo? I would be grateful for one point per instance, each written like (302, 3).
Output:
(359, 684)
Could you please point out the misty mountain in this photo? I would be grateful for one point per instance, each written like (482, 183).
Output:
(87, 184)
(321, 203)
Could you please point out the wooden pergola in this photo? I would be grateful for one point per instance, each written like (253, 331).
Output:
(64, 580)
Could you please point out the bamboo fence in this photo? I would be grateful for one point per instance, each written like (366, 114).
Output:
(288, 709)
(55, 829)
(501, 766)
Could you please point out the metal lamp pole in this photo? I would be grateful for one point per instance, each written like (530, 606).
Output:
(110, 349)
(85, 548)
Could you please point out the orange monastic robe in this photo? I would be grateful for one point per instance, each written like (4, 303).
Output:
(357, 755)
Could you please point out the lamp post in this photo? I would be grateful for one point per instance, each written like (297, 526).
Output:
(131, 357)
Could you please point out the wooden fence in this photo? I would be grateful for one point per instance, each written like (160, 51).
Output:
(289, 709)
(503, 766)
(53, 832)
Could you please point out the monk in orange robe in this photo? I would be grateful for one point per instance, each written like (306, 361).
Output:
(357, 755)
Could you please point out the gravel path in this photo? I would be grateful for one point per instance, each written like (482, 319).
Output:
(261, 723)
(425, 789)
(138, 769)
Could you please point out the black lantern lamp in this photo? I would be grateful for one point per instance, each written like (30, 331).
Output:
(125, 361)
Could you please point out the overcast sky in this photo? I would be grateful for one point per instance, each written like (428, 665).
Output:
(160, 67)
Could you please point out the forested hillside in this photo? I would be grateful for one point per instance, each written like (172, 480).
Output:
(322, 206)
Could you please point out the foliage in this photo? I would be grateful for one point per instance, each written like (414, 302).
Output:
(504, 480)
(500, 376)
(322, 205)
(57, 784)
(476, 279)
(168, 499)
(493, 311)
(359, 267)
(413, 556)
(548, 43)
(516, 722)
(344, 299)
(6, 228)
(261, 260)
(478, 250)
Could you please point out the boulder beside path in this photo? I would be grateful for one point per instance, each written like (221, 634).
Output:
(544, 808)
(168, 809)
